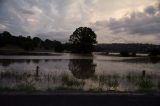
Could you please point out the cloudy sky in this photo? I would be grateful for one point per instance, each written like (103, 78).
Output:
(114, 21)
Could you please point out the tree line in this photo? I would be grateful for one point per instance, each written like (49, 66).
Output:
(28, 43)
(131, 48)
(82, 40)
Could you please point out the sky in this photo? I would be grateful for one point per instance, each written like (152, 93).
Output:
(114, 21)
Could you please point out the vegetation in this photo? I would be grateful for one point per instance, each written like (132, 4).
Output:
(66, 82)
(27, 87)
(71, 82)
(154, 52)
(82, 40)
(28, 43)
(145, 84)
(132, 48)
(63, 88)
(10, 74)
(158, 84)
(124, 53)
(111, 82)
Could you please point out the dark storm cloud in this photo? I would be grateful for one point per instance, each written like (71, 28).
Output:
(146, 22)
(150, 10)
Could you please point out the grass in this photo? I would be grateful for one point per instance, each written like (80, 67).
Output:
(102, 79)
(50, 89)
(13, 74)
(72, 82)
(98, 89)
(67, 83)
(50, 77)
(94, 77)
(8, 89)
(145, 84)
(63, 88)
(109, 81)
(158, 85)
(23, 87)
(113, 84)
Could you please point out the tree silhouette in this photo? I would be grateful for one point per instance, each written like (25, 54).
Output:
(82, 40)
(58, 47)
(37, 42)
(28, 43)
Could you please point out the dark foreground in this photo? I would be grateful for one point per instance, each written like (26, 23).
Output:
(79, 100)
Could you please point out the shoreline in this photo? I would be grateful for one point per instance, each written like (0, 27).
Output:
(52, 53)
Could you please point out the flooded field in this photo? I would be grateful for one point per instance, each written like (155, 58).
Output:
(79, 72)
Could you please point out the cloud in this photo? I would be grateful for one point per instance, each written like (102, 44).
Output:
(62, 36)
(57, 19)
(135, 26)
(24, 11)
(33, 17)
(142, 23)
(151, 10)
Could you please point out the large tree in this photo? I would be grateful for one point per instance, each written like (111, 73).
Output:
(83, 40)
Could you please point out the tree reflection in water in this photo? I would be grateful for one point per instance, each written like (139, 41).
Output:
(82, 68)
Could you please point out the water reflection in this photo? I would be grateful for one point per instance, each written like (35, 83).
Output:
(100, 72)
(7, 62)
(82, 68)
(154, 59)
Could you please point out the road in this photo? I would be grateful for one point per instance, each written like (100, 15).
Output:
(79, 99)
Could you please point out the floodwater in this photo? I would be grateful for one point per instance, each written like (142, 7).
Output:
(87, 72)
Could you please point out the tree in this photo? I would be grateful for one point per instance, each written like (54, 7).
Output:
(37, 42)
(58, 47)
(28, 44)
(154, 52)
(83, 40)
(48, 44)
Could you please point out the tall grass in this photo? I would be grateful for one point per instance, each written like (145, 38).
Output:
(145, 84)
(15, 75)
(72, 82)
(27, 86)
(65, 81)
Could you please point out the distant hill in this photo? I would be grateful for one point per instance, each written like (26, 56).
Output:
(119, 47)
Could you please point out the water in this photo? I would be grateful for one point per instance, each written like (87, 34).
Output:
(96, 71)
